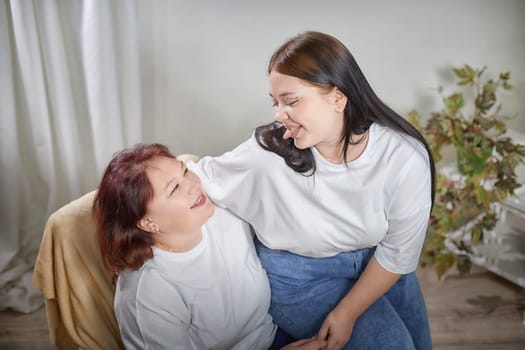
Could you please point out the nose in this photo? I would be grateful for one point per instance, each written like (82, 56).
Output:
(192, 184)
(280, 114)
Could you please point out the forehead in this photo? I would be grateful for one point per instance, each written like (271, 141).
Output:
(281, 84)
(161, 170)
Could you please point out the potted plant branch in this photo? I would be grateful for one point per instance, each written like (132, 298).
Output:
(484, 174)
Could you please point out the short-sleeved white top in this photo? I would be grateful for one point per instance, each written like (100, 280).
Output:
(215, 296)
(380, 199)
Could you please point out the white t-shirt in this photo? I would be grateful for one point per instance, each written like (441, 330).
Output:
(380, 199)
(215, 296)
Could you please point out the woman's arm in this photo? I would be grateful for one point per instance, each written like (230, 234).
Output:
(339, 323)
(159, 312)
(397, 253)
(162, 329)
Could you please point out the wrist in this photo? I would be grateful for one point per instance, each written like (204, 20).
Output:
(348, 309)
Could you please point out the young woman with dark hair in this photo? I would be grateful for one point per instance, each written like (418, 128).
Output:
(187, 275)
(339, 191)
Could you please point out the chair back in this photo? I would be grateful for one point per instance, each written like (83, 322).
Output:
(77, 288)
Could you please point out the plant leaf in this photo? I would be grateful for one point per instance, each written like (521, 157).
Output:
(444, 262)
(454, 103)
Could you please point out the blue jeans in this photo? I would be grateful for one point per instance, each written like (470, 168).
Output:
(305, 290)
(281, 340)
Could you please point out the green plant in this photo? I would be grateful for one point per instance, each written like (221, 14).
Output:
(486, 162)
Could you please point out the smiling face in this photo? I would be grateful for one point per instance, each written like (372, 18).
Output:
(179, 204)
(312, 116)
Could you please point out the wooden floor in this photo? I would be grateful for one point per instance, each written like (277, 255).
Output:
(477, 312)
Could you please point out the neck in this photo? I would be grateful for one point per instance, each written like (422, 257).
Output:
(178, 243)
(334, 152)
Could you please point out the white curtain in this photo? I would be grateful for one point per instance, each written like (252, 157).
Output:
(69, 99)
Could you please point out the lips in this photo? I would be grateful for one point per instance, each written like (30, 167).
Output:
(291, 131)
(199, 202)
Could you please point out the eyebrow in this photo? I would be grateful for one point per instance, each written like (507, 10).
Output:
(171, 181)
(284, 94)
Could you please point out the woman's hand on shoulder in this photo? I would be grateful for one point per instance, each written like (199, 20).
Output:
(306, 344)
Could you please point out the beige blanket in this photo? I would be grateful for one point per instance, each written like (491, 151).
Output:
(77, 289)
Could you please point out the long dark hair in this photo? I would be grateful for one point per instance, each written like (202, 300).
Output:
(121, 201)
(324, 61)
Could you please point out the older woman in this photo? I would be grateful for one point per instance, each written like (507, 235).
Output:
(187, 275)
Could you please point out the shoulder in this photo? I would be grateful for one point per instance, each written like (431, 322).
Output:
(225, 216)
(398, 148)
(149, 283)
(155, 301)
(157, 290)
(225, 222)
(143, 287)
(148, 274)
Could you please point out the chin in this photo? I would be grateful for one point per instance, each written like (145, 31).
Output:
(301, 144)
(211, 209)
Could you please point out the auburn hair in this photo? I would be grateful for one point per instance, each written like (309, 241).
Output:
(120, 202)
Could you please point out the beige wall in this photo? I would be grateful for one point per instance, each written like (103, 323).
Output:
(204, 80)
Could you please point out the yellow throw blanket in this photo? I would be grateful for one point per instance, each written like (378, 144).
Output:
(77, 289)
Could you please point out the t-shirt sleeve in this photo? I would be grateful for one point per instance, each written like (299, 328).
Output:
(228, 179)
(408, 216)
(162, 316)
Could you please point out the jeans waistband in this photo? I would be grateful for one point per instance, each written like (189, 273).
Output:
(290, 265)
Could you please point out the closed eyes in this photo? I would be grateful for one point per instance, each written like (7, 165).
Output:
(177, 185)
(291, 103)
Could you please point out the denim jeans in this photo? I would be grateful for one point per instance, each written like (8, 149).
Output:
(305, 290)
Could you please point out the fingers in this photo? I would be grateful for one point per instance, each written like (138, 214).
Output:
(333, 344)
(301, 342)
(332, 341)
(314, 344)
(306, 344)
(323, 331)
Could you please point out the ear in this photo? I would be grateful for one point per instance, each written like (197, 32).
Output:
(339, 99)
(148, 225)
